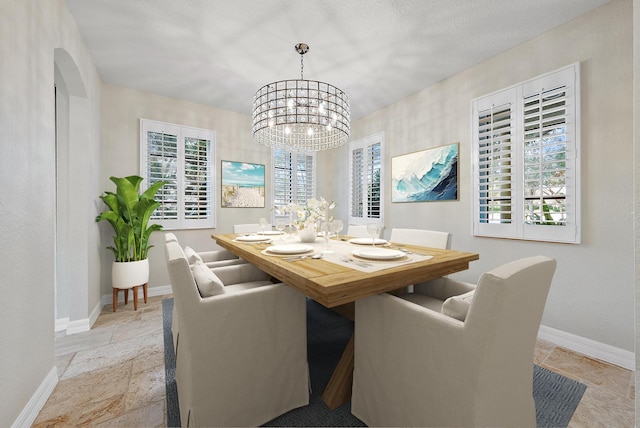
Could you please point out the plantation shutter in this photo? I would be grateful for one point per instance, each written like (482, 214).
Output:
(162, 165)
(495, 166)
(373, 171)
(357, 182)
(365, 172)
(198, 178)
(550, 196)
(293, 178)
(525, 163)
(182, 157)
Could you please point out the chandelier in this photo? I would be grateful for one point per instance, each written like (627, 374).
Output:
(301, 115)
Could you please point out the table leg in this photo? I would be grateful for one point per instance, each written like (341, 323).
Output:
(338, 390)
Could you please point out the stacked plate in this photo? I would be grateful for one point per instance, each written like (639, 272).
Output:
(367, 241)
(378, 253)
(289, 249)
(252, 238)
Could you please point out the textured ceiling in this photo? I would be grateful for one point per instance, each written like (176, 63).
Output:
(219, 52)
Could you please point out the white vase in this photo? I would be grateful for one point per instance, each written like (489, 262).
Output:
(308, 234)
(129, 274)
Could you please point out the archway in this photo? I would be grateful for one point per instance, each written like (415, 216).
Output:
(71, 273)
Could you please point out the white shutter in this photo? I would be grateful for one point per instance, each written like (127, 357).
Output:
(183, 158)
(525, 163)
(197, 187)
(550, 192)
(357, 200)
(162, 165)
(282, 178)
(293, 178)
(366, 177)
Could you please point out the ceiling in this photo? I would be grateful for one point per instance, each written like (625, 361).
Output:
(219, 52)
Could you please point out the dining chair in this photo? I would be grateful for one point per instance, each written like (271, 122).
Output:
(456, 359)
(422, 237)
(241, 354)
(358, 231)
(250, 228)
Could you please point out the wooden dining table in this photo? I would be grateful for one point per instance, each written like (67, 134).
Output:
(339, 285)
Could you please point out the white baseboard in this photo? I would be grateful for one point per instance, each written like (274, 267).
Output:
(588, 347)
(38, 399)
(78, 326)
(61, 324)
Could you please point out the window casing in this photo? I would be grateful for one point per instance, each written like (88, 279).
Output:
(294, 178)
(526, 176)
(183, 157)
(366, 175)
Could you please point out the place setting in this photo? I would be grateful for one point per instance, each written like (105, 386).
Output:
(289, 250)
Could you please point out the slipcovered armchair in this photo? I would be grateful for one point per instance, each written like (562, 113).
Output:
(423, 237)
(241, 357)
(212, 259)
(358, 231)
(469, 363)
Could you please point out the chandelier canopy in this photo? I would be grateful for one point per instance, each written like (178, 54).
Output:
(301, 115)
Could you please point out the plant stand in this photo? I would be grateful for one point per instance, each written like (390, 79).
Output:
(126, 296)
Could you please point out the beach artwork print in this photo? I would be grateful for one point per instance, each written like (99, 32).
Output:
(242, 185)
(427, 175)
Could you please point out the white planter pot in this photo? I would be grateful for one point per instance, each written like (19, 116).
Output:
(129, 274)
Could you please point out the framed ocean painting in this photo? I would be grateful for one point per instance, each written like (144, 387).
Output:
(242, 185)
(427, 175)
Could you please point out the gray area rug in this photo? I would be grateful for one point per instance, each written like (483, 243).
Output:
(556, 396)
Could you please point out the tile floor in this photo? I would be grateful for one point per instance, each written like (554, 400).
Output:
(113, 375)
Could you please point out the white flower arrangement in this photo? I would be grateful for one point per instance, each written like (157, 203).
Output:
(304, 216)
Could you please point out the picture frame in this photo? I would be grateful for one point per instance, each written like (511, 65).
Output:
(427, 175)
(242, 185)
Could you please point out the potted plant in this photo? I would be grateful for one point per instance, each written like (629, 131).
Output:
(129, 213)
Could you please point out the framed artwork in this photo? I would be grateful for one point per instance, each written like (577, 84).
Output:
(242, 185)
(427, 175)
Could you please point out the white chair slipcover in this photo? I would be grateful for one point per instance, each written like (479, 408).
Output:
(358, 231)
(241, 357)
(250, 228)
(416, 366)
(425, 238)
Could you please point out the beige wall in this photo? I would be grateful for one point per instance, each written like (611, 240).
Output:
(592, 293)
(30, 31)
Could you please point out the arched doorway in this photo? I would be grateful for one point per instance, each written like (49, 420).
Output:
(71, 273)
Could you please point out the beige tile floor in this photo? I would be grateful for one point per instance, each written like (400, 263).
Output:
(113, 375)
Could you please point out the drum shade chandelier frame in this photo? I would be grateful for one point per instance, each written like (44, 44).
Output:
(301, 115)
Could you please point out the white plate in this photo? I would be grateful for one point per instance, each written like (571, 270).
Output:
(270, 232)
(367, 241)
(378, 253)
(289, 249)
(252, 238)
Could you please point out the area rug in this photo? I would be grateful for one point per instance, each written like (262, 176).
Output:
(556, 396)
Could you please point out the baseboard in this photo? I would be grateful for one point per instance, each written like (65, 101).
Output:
(38, 399)
(588, 347)
(61, 324)
(78, 326)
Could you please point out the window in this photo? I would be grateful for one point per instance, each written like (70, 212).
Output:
(293, 177)
(526, 142)
(366, 176)
(183, 157)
